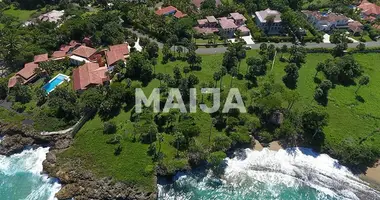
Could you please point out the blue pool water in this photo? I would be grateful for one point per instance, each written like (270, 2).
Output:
(54, 83)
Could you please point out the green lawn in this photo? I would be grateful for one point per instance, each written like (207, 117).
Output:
(95, 154)
(10, 116)
(348, 118)
(365, 37)
(22, 15)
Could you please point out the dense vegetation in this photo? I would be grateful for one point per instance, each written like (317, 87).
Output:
(317, 100)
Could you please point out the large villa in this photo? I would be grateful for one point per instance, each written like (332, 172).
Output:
(92, 69)
(224, 26)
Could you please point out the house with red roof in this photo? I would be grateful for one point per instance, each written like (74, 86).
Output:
(28, 73)
(226, 26)
(41, 58)
(82, 54)
(89, 75)
(25, 75)
(170, 10)
(58, 55)
(117, 53)
(369, 11)
(326, 21)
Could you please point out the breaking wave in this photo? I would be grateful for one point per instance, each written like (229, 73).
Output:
(21, 178)
(294, 173)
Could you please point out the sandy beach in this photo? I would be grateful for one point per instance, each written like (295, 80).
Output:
(274, 146)
(372, 175)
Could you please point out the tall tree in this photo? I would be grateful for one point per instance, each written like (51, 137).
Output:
(364, 80)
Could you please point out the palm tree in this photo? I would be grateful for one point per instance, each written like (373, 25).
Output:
(284, 49)
(238, 34)
(203, 85)
(363, 81)
(160, 139)
(217, 77)
(233, 73)
(186, 70)
(178, 137)
(213, 122)
(319, 68)
(223, 72)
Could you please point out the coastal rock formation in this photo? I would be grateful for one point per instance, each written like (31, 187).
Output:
(16, 138)
(75, 182)
(83, 185)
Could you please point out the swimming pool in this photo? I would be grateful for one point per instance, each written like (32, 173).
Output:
(54, 82)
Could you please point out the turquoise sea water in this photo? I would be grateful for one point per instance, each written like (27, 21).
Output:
(20, 177)
(298, 174)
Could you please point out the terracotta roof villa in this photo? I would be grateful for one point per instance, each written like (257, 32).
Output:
(57, 55)
(41, 58)
(226, 23)
(82, 54)
(369, 9)
(25, 75)
(170, 10)
(116, 53)
(89, 74)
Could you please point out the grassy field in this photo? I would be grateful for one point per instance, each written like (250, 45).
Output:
(22, 15)
(348, 119)
(10, 117)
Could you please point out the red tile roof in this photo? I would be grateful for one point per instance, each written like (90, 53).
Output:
(122, 48)
(28, 71)
(113, 56)
(12, 81)
(170, 10)
(89, 74)
(58, 54)
(84, 52)
(41, 58)
(73, 43)
(227, 23)
(116, 53)
(355, 27)
(376, 26)
(243, 29)
(179, 14)
(369, 8)
(238, 16)
(166, 10)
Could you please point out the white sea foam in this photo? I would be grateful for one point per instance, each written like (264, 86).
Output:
(30, 161)
(267, 174)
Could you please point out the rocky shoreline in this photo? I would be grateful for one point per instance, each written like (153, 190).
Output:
(76, 183)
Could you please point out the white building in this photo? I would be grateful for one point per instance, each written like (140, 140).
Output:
(52, 16)
(326, 21)
(272, 27)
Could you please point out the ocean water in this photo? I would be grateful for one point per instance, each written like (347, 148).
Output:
(21, 178)
(296, 173)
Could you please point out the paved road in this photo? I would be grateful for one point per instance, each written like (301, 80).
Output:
(257, 46)
(160, 45)
(308, 45)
